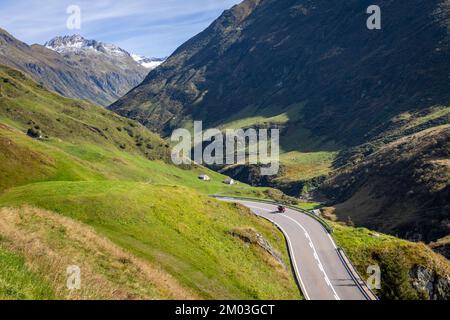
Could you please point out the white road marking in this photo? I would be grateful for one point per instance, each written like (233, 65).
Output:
(294, 260)
(263, 209)
(295, 265)
(316, 256)
(320, 266)
(332, 241)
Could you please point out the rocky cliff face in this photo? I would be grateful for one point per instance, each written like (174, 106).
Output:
(75, 67)
(431, 285)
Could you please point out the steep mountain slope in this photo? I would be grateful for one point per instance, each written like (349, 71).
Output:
(399, 181)
(312, 67)
(100, 73)
(403, 188)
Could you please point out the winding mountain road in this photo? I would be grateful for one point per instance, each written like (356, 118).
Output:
(320, 270)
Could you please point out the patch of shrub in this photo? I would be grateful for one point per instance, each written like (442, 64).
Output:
(129, 131)
(34, 133)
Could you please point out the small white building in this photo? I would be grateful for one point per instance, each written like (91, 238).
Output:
(229, 181)
(204, 177)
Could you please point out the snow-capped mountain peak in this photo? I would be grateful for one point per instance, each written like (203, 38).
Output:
(149, 63)
(77, 43)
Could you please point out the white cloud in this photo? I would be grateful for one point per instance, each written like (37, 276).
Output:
(131, 22)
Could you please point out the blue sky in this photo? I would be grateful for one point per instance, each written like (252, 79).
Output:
(148, 27)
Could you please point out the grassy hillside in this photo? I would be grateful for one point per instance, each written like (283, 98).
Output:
(112, 180)
(177, 229)
(39, 245)
(81, 141)
(17, 281)
(24, 104)
(408, 270)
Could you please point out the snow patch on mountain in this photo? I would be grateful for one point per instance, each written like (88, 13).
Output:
(149, 63)
(78, 44)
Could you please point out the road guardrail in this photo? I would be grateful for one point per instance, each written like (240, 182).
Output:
(362, 285)
(368, 293)
(327, 227)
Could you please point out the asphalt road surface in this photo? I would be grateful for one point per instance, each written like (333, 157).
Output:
(321, 273)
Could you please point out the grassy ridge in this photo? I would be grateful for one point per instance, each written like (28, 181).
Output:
(49, 243)
(17, 281)
(396, 259)
(25, 104)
